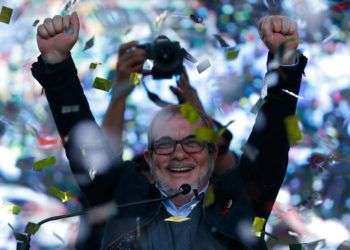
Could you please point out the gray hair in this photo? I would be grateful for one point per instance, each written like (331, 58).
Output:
(171, 111)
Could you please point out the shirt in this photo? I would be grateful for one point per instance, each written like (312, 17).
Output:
(185, 209)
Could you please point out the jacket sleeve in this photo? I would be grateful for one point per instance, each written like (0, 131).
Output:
(64, 92)
(264, 161)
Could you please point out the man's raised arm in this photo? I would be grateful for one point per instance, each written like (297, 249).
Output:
(56, 72)
(264, 162)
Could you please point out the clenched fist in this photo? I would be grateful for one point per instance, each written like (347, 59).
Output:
(276, 30)
(57, 36)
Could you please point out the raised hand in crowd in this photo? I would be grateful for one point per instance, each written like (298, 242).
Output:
(276, 31)
(57, 36)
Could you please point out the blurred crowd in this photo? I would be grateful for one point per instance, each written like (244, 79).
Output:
(316, 191)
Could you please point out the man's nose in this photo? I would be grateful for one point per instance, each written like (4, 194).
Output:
(179, 152)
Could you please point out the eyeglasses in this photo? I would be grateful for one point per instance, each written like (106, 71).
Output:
(167, 145)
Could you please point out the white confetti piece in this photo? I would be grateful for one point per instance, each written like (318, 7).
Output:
(203, 65)
(292, 94)
(70, 109)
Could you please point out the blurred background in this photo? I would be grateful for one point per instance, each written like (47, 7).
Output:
(314, 203)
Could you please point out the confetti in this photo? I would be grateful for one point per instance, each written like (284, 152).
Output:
(292, 94)
(32, 228)
(293, 129)
(258, 225)
(36, 22)
(189, 113)
(203, 65)
(5, 14)
(48, 162)
(94, 65)
(293, 233)
(63, 196)
(90, 43)
(135, 78)
(12, 208)
(161, 18)
(70, 109)
(102, 84)
(206, 134)
(221, 41)
(177, 219)
(195, 18)
(222, 130)
(232, 54)
(209, 197)
(58, 237)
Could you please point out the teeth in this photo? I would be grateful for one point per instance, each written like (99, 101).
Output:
(180, 169)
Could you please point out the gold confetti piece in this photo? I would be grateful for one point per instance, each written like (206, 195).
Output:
(258, 225)
(135, 78)
(32, 228)
(232, 54)
(102, 84)
(293, 129)
(40, 165)
(222, 130)
(189, 113)
(70, 109)
(203, 65)
(206, 134)
(94, 65)
(177, 219)
(36, 23)
(12, 208)
(15, 209)
(63, 196)
(291, 40)
(209, 197)
(5, 14)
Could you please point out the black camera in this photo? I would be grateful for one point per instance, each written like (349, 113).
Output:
(167, 57)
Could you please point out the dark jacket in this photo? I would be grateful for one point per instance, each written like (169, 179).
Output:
(251, 188)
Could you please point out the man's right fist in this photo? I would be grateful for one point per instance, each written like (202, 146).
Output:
(57, 36)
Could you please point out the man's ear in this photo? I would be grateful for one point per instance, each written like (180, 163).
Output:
(148, 156)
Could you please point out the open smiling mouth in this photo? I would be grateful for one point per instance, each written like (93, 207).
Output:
(183, 169)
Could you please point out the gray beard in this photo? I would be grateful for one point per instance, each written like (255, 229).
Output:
(198, 184)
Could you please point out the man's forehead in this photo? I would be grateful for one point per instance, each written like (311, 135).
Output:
(175, 126)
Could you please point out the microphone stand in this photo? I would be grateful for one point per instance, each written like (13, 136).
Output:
(23, 240)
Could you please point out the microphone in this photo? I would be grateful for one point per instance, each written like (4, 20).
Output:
(23, 241)
(183, 189)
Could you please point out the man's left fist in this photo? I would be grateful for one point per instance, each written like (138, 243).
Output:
(276, 30)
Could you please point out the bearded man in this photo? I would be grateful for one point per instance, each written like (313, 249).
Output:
(216, 213)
